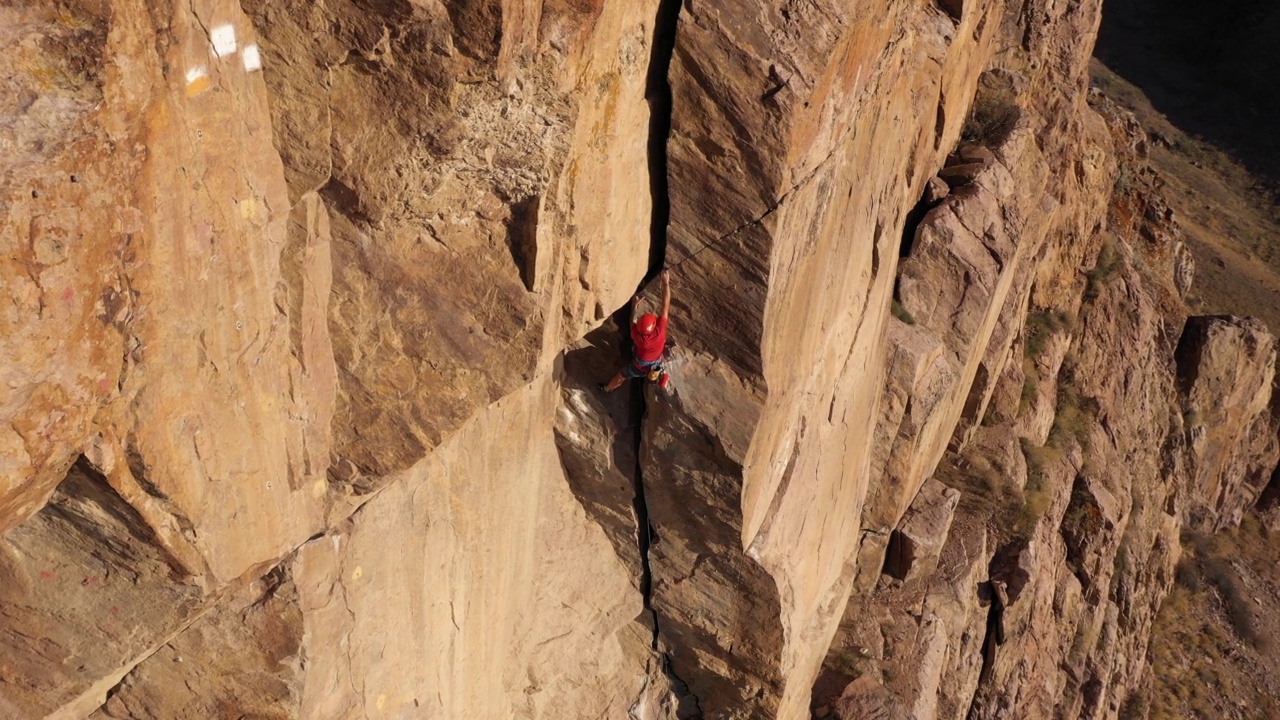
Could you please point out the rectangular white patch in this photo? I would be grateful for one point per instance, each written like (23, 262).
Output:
(223, 38)
(252, 60)
(195, 74)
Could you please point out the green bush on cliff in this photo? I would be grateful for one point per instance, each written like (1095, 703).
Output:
(901, 313)
(1073, 416)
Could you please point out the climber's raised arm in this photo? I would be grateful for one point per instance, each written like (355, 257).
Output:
(666, 293)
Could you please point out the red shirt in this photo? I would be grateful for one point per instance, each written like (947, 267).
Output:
(649, 347)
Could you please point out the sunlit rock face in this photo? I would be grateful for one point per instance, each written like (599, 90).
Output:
(308, 303)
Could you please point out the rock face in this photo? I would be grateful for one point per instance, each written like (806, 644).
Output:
(308, 304)
(1227, 370)
(916, 543)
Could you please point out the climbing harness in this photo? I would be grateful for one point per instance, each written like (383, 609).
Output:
(657, 374)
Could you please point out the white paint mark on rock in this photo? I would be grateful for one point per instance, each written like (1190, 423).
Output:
(223, 38)
(252, 59)
(197, 81)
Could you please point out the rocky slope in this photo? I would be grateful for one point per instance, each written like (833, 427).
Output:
(1214, 646)
(308, 302)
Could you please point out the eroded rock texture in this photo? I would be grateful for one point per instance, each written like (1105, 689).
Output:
(308, 303)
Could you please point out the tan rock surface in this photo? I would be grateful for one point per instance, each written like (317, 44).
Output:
(1227, 370)
(308, 304)
(257, 315)
(241, 658)
(58, 331)
(915, 546)
(85, 594)
(485, 527)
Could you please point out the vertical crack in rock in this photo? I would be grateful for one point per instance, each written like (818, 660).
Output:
(644, 527)
(990, 642)
(687, 702)
(658, 95)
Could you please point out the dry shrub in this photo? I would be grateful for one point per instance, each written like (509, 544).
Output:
(992, 118)
(1108, 266)
(1040, 326)
(1209, 564)
(1038, 494)
(1135, 706)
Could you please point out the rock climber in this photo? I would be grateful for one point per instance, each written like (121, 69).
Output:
(649, 335)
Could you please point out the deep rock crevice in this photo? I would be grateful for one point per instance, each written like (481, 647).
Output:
(687, 702)
(658, 95)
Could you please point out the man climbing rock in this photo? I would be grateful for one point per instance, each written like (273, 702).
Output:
(649, 335)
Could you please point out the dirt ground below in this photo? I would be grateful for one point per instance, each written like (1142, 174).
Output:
(1215, 649)
(1231, 221)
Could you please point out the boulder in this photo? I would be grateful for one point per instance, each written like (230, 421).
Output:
(1226, 368)
(976, 154)
(935, 190)
(918, 540)
(963, 174)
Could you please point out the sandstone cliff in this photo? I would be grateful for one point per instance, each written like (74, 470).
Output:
(308, 302)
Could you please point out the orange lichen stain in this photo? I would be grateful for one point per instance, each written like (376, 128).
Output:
(198, 85)
(159, 118)
(66, 19)
(608, 90)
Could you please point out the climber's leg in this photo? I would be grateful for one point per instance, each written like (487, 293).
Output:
(614, 384)
(630, 371)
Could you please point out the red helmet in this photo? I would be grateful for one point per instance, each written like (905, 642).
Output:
(647, 323)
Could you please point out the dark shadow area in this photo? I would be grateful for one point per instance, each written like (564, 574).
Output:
(994, 637)
(827, 688)
(1270, 498)
(344, 198)
(86, 589)
(910, 225)
(604, 486)
(974, 412)
(522, 240)
(693, 486)
(1195, 333)
(658, 94)
(1212, 68)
